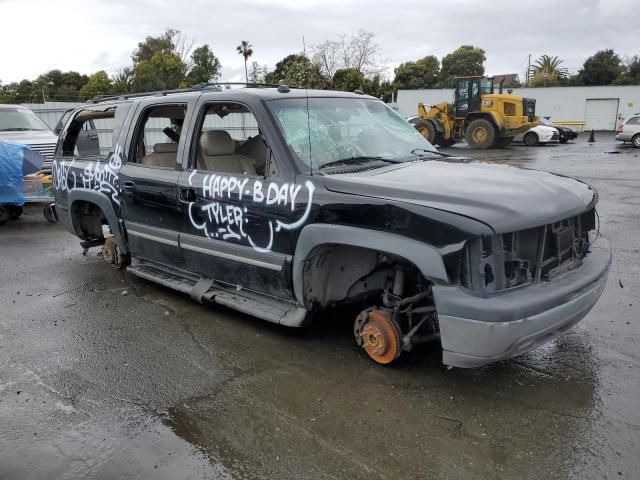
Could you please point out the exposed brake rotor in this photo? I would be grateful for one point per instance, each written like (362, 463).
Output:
(378, 333)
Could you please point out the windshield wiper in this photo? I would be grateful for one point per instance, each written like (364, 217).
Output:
(428, 152)
(352, 160)
(15, 129)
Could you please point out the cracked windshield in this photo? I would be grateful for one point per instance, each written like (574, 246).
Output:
(346, 130)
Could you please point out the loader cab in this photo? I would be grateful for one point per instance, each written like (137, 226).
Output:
(468, 94)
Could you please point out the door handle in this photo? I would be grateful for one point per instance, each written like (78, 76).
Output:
(129, 185)
(93, 137)
(188, 194)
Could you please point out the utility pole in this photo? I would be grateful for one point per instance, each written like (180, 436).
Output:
(528, 69)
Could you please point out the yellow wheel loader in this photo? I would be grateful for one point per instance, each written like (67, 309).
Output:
(483, 118)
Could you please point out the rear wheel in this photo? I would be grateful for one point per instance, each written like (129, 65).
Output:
(14, 211)
(480, 134)
(4, 215)
(427, 130)
(379, 334)
(531, 139)
(636, 140)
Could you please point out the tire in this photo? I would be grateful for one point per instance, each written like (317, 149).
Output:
(4, 215)
(14, 211)
(503, 142)
(49, 213)
(635, 140)
(564, 139)
(530, 139)
(427, 130)
(480, 134)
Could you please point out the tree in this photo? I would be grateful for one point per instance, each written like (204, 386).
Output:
(327, 56)
(348, 79)
(152, 45)
(121, 81)
(467, 60)
(630, 72)
(205, 66)
(158, 62)
(163, 71)
(245, 49)
(602, 68)
(297, 70)
(547, 70)
(98, 84)
(358, 51)
(422, 73)
(257, 73)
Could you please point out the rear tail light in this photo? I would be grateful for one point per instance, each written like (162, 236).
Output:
(620, 127)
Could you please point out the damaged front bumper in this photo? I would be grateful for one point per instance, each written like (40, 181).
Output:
(479, 329)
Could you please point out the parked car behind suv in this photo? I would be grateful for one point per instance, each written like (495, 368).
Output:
(537, 135)
(280, 202)
(565, 133)
(18, 124)
(629, 131)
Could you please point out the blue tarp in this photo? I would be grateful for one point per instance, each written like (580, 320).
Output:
(11, 176)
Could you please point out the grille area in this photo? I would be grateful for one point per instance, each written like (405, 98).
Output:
(534, 255)
(46, 150)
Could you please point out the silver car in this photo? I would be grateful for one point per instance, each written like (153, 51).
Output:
(629, 131)
(18, 124)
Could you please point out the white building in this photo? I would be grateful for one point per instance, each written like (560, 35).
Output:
(601, 108)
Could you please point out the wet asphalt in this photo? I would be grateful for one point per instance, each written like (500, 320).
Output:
(103, 375)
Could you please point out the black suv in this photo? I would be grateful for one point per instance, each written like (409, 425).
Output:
(279, 202)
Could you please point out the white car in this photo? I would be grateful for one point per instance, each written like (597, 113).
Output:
(538, 135)
(629, 131)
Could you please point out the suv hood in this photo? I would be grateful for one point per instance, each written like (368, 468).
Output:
(29, 137)
(506, 198)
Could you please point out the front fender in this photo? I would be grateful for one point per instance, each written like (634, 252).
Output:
(426, 258)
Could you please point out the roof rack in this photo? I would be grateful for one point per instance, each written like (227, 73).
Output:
(195, 88)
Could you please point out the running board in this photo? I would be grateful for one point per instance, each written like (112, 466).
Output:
(202, 289)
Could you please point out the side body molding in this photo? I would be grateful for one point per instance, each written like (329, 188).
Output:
(425, 257)
(102, 201)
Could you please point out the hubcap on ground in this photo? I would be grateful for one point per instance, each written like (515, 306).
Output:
(379, 335)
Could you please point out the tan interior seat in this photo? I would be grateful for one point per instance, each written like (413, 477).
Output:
(255, 148)
(217, 150)
(164, 155)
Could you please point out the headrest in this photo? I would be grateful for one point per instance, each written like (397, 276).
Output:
(165, 148)
(217, 142)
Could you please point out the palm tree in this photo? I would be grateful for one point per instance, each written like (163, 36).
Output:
(548, 69)
(245, 49)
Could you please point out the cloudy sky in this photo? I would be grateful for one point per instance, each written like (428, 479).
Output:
(89, 35)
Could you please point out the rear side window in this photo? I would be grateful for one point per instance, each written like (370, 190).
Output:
(92, 133)
(634, 121)
(157, 135)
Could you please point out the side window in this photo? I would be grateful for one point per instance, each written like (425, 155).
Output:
(229, 140)
(634, 121)
(90, 134)
(474, 89)
(463, 89)
(157, 135)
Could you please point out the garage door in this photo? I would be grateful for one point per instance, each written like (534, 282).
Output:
(601, 113)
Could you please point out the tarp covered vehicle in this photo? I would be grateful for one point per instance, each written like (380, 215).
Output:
(21, 182)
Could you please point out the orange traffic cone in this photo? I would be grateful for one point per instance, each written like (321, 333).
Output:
(592, 136)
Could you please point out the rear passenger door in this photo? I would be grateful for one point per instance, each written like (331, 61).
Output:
(236, 204)
(148, 182)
